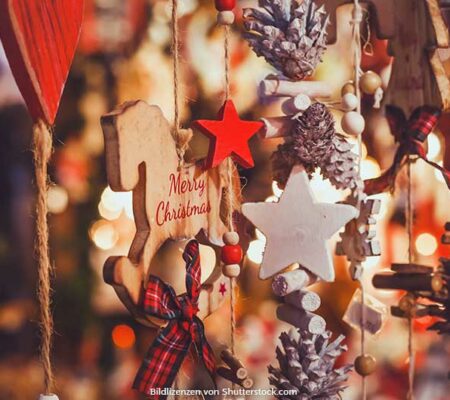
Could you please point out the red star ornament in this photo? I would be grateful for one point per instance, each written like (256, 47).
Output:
(229, 136)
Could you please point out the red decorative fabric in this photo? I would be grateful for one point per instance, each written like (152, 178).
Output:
(411, 134)
(165, 356)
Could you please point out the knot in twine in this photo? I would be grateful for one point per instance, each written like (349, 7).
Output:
(182, 138)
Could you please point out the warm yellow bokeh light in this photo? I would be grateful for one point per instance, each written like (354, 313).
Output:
(276, 190)
(272, 199)
(57, 199)
(370, 168)
(255, 251)
(104, 235)
(426, 244)
(113, 203)
(434, 147)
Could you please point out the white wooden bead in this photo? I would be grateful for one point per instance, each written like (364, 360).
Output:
(48, 397)
(349, 102)
(225, 18)
(353, 123)
(231, 238)
(231, 270)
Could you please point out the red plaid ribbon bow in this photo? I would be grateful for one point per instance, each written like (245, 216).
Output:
(165, 356)
(411, 134)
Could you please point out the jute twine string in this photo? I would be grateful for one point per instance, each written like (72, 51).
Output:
(409, 222)
(230, 195)
(357, 18)
(42, 146)
(181, 136)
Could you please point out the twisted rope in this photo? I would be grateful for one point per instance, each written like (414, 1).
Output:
(42, 144)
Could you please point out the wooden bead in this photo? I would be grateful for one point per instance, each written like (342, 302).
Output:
(349, 87)
(370, 82)
(349, 102)
(224, 5)
(408, 305)
(231, 270)
(353, 123)
(231, 238)
(437, 283)
(225, 17)
(231, 254)
(365, 365)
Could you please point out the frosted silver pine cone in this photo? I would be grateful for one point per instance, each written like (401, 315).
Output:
(313, 135)
(314, 143)
(341, 167)
(289, 35)
(306, 366)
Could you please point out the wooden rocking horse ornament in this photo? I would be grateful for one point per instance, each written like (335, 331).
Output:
(170, 200)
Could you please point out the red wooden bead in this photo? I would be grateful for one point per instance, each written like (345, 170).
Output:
(225, 5)
(231, 254)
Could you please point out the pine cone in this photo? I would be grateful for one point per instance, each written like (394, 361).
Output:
(341, 167)
(314, 143)
(289, 35)
(306, 366)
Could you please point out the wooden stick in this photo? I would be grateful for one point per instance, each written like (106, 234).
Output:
(281, 88)
(234, 363)
(301, 319)
(304, 300)
(411, 268)
(276, 127)
(291, 281)
(410, 282)
(296, 104)
(229, 375)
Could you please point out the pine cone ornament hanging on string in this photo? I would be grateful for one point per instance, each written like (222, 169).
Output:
(341, 167)
(313, 135)
(306, 366)
(290, 35)
(314, 143)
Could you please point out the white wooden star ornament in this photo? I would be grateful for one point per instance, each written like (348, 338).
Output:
(297, 228)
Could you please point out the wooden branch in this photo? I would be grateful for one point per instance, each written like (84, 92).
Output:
(234, 363)
(283, 88)
(403, 281)
(412, 268)
(304, 320)
(229, 375)
(304, 300)
(276, 127)
(296, 104)
(291, 281)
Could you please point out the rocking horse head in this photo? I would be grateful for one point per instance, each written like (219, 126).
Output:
(171, 202)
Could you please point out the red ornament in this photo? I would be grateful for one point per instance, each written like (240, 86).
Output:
(231, 254)
(228, 137)
(40, 38)
(225, 5)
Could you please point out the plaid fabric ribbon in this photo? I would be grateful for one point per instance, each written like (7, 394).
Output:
(411, 134)
(165, 356)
